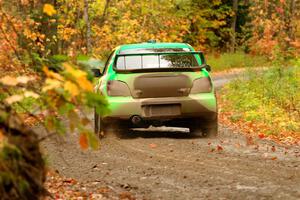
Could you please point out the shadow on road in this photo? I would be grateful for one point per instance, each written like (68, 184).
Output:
(156, 132)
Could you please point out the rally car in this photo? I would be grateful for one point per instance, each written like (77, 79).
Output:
(157, 84)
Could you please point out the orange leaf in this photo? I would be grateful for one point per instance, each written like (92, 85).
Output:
(71, 181)
(219, 148)
(152, 145)
(261, 135)
(274, 158)
(83, 141)
(273, 148)
(249, 140)
(238, 145)
(1, 138)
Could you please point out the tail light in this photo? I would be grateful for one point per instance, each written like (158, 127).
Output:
(117, 88)
(201, 85)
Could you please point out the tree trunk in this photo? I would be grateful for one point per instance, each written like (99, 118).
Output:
(22, 166)
(233, 25)
(290, 27)
(105, 11)
(88, 27)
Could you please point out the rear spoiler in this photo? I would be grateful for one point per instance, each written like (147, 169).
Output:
(199, 68)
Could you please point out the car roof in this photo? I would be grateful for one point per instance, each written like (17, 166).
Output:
(151, 45)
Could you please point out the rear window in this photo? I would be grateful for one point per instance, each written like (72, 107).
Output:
(156, 61)
(125, 61)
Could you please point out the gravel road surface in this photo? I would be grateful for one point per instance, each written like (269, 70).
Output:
(168, 163)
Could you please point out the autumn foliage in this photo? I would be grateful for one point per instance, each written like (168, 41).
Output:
(275, 28)
(42, 42)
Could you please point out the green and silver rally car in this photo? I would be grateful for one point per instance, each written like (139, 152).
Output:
(157, 84)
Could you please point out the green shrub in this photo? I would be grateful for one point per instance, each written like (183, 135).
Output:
(228, 61)
(271, 97)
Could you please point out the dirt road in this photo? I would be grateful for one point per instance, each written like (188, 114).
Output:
(170, 164)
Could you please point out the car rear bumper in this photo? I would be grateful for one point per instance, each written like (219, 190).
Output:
(196, 105)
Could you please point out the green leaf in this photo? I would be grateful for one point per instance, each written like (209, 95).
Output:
(65, 108)
(93, 140)
(59, 58)
(98, 102)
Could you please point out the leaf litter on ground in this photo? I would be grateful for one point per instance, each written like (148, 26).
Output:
(61, 187)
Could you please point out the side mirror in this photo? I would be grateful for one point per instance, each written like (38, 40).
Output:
(208, 68)
(96, 72)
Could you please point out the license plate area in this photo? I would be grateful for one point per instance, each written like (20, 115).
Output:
(161, 110)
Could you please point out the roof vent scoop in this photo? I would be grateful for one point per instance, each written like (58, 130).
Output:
(151, 41)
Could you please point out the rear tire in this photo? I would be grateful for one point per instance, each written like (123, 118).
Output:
(210, 129)
(121, 128)
(204, 128)
(195, 128)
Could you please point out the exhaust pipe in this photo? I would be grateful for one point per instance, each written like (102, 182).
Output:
(136, 120)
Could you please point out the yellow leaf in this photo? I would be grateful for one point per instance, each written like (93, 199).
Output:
(52, 74)
(51, 84)
(71, 88)
(80, 77)
(9, 80)
(85, 84)
(49, 10)
(74, 72)
(14, 98)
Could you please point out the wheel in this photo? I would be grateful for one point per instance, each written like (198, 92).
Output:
(210, 128)
(99, 126)
(195, 127)
(121, 128)
(204, 128)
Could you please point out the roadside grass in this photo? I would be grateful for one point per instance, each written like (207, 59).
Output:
(227, 61)
(269, 100)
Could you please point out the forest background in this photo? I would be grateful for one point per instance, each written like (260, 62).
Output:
(37, 36)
